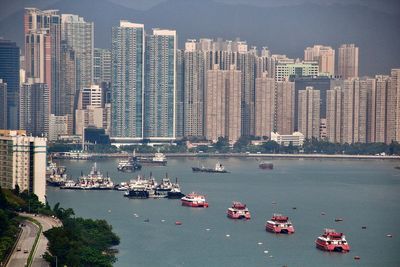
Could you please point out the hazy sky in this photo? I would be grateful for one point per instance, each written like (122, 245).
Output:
(7, 7)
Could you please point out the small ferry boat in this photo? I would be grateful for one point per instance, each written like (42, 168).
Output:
(158, 159)
(238, 211)
(70, 184)
(331, 240)
(266, 165)
(128, 165)
(219, 168)
(279, 224)
(194, 200)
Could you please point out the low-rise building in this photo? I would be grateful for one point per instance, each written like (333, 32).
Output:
(296, 139)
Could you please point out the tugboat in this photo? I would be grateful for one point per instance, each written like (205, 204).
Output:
(279, 224)
(238, 211)
(194, 200)
(219, 168)
(137, 191)
(266, 165)
(56, 179)
(175, 192)
(331, 240)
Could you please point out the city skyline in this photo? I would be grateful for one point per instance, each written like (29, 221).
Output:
(152, 89)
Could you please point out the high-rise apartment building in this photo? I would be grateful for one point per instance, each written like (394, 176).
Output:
(334, 114)
(264, 106)
(194, 81)
(348, 61)
(379, 112)
(355, 112)
(393, 102)
(222, 104)
(308, 112)
(23, 161)
(128, 43)
(3, 105)
(9, 73)
(284, 110)
(101, 66)
(160, 85)
(42, 49)
(34, 107)
(179, 94)
(79, 35)
(324, 55)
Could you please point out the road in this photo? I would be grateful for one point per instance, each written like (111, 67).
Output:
(25, 242)
(27, 239)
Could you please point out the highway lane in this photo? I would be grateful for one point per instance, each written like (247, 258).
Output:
(47, 223)
(25, 243)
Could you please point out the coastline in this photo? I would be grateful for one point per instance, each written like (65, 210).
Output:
(92, 156)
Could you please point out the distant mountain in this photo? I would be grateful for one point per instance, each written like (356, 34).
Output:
(287, 30)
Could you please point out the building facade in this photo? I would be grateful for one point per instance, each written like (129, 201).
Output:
(309, 119)
(23, 162)
(127, 88)
(348, 61)
(160, 85)
(9, 73)
(34, 107)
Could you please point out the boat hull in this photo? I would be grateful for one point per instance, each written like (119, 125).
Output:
(195, 204)
(197, 169)
(279, 230)
(239, 216)
(343, 248)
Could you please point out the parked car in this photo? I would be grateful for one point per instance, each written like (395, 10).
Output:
(18, 248)
(26, 251)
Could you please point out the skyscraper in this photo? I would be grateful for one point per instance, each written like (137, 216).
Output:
(348, 61)
(3, 105)
(180, 94)
(79, 35)
(42, 49)
(193, 89)
(160, 85)
(381, 112)
(35, 107)
(355, 112)
(393, 102)
(324, 55)
(309, 105)
(264, 106)
(101, 66)
(127, 80)
(334, 114)
(222, 104)
(68, 91)
(284, 110)
(9, 73)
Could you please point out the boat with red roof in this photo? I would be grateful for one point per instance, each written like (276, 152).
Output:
(279, 224)
(238, 211)
(331, 240)
(194, 200)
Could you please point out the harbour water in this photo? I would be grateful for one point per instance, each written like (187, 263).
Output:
(361, 192)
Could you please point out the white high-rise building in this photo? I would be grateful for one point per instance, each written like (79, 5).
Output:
(348, 61)
(24, 158)
(79, 35)
(160, 85)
